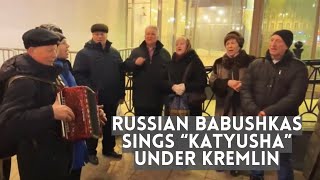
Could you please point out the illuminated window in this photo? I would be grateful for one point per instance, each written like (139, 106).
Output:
(301, 14)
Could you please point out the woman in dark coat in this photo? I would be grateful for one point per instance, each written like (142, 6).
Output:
(195, 78)
(227, 73)
(5, 168)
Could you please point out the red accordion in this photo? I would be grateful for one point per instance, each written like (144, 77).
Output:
(82, 100)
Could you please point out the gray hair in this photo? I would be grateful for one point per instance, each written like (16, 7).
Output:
(51, 27)
(184, 38)
(155, 28)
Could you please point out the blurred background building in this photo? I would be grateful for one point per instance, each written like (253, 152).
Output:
(205, 22)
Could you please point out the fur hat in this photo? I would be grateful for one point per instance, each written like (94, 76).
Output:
(234, 35)
(39, 37)
(286, 36)
(99, 28)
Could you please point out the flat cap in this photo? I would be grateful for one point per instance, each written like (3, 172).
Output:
(39, 37)
(99, 28)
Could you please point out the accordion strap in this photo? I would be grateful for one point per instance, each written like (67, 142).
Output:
(29, 77)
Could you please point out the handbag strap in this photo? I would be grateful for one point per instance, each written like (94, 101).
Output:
(186, 72)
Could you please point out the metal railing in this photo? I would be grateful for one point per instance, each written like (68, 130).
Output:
(124, 53)
(312, 95)
(308, 108)
(210, 95)
(20, 51)
(6, 53)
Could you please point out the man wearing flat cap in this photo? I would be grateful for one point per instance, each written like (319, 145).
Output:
(30, 113)
(275, 86)
(99, 66)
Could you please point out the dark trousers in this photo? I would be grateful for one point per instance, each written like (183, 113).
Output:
(139, 111)
(196, 110)
(75, 174)
(6, 168)
(286, 170)
(108, 141)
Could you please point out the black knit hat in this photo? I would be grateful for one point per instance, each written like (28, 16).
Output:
(39, 37)
(99, 28)
(234, 35)
(286, 36)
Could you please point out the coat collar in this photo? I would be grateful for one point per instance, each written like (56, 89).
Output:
(241, 60)
(92, 45)
(159, 45)
(286, 58)
(24, 64)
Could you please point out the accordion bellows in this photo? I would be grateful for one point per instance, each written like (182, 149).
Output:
(82, 100)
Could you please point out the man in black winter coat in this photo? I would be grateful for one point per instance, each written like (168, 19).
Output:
(99, 66)
(29, 113)
(5, 168)
(147, 63)
(275, 86)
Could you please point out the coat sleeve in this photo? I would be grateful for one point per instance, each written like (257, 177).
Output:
(21, 113)
(129, 63)
(122, 77)
(198, 80)
(295, 96)
(219, 86)
(81, 69)
(248, 104)
(166, 85)
(166, 56)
